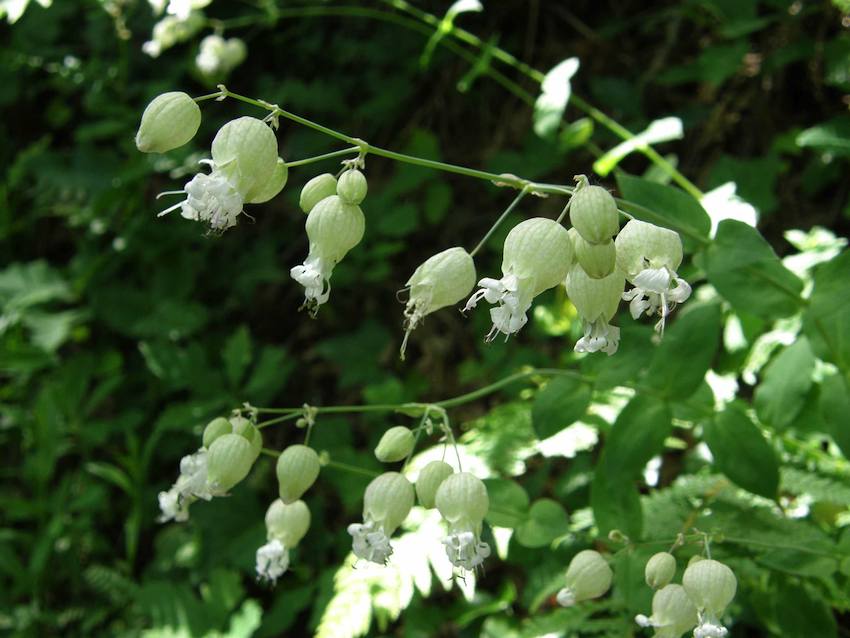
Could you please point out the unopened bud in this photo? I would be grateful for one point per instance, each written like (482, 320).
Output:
(711, 585)
(352, 187)
(429, 481)
(245, 428)
(168, 122)
(597, 260)
(316, 190)
(593, 213)
(287, 523)
(395, 444)
(297, 469)
(660, 570)
(462, 499)
(229, 460)
(216, 428)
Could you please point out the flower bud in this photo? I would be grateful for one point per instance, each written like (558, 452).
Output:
(244, 428)
(168, 122)
(215, 429)
(711, 585)
(673, 613)
(660, 570)
(245, 151)
(588, 576)
(297, 469)
(539, 249)
(429, 481)
(597, 260)
(388, 500)
(287, 523)
(593, 213)
(272, 187)
(352, 187)
(316, 190)
(229, 460)
(462, 499)
(442, 280)
(395, 444)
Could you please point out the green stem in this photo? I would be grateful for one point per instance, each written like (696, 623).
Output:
(280, 419)
(345, 467)
(499, 221)
(319, 158)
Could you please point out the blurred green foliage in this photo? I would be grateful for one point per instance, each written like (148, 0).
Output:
(121, 335)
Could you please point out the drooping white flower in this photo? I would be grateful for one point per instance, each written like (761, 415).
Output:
(386, 504)
(190, 486)
(244, 167)
(536, 257)
(588, 576)
(463, 503)
(711, 585)
(596, 301)
(649, 255)
(272, 560)
(673, 613)
(466, 549)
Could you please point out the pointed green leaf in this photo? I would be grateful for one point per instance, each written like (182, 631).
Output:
(563, 401)
(786, 382)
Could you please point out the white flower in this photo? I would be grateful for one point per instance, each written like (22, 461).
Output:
(657, 291)
(272, 560)
(314, 274)
(465, 549)
(599, 336)
(512, 298)
(566, 597)
(191, 485)
(210, 198)
(181, 9)
(709, 629)
(369, 542)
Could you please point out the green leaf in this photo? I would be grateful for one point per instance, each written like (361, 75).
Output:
(616, 505)
(827, 319)
(237, 355)
(552, 102)
(686, 351)
(832, 136)
(508, 503)
(741, 452)
(664, 206)
(546, 521)
(834, 408)
(786, 381)
(563, 401)
(802, 614)
(745, 270)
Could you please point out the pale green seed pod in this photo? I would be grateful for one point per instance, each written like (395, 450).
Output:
(660, 570)
(595, 298)
(640, 242)
(597, 260)
(316, 190)
(388, 500)
(395, 444)
(352, 187)
(593, 213)
(462, 499)
(244, 428)
(287, 523)
(245, 151)
(711, 585)
(229, 459)
(673, 612)
(442, 280)
(168, 122)
(272, 187)
(429, 481)
(216, 428)
(588, 576)
(297, 469)
(538, 248)
(334, 228)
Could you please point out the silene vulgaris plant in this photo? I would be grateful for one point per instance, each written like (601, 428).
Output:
(602, 258)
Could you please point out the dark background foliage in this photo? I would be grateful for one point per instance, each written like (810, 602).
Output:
(121, 334)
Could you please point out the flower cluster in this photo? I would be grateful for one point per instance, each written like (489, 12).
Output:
(217, 57)
(707, 588)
